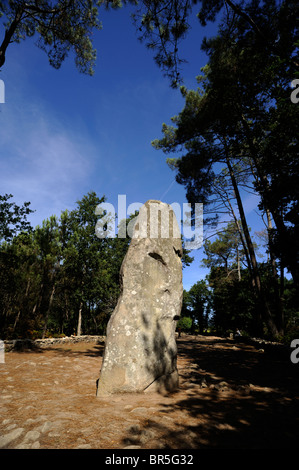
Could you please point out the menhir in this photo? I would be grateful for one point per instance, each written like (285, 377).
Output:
(140, 351)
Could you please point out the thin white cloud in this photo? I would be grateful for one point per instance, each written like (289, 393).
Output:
(250, 203)
(41, 161)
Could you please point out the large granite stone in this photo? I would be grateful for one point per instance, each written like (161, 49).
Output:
(140, 351)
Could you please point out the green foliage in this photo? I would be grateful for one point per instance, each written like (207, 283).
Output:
(59, 278)
(60, 271)
(233, 302)
(196, 305)
(239, 130)
(185, 323)
(61, 26)
(13, 218)
(163, 25)
(64, 27)
(59, 275)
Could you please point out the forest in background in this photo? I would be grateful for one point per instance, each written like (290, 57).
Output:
(61, 279)
(58, 278)
(237, 133)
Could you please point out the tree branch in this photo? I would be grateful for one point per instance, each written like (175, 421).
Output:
(9, 34)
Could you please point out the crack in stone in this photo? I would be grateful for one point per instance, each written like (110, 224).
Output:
(158, 258)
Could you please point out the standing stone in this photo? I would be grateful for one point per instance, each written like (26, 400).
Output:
(141, 352)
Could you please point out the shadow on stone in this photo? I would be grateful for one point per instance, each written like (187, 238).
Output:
(140, 352)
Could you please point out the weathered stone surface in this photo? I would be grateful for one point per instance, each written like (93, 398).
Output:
(140, 352)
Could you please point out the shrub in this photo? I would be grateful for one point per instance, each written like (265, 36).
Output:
(185, 323)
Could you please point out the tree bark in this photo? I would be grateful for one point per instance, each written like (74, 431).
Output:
(257, 281)
(238, 264)
(79, 319)
(266, 199)
(243, 244)
(278, 292)
(48, 311)
(19, 312)
(8, 36)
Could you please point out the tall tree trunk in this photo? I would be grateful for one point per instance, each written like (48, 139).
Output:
(243, 244)
(65, 312)
(276, 285)
(238, 264)
(19, 312)
(257, 281)
(39, 300)
(79, 325)
(266, 199)
(48, 311)
(79, 319)
(9, 34)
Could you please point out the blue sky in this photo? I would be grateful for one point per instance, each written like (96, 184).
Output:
(64, 134)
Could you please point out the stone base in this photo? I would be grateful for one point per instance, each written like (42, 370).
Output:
(165, 384)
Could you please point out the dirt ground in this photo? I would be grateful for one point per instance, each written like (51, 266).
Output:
(231, 396)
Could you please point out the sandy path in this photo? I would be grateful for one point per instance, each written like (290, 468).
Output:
(231, 396)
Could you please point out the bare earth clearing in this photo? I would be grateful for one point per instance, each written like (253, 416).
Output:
(231, 396)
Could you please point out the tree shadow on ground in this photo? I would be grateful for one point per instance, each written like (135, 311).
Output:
(96, 350)
(235, 397)
(239, 363)
(74, 349)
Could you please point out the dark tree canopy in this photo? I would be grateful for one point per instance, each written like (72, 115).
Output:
(62, 26)
(13, 218)
(66, 26)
